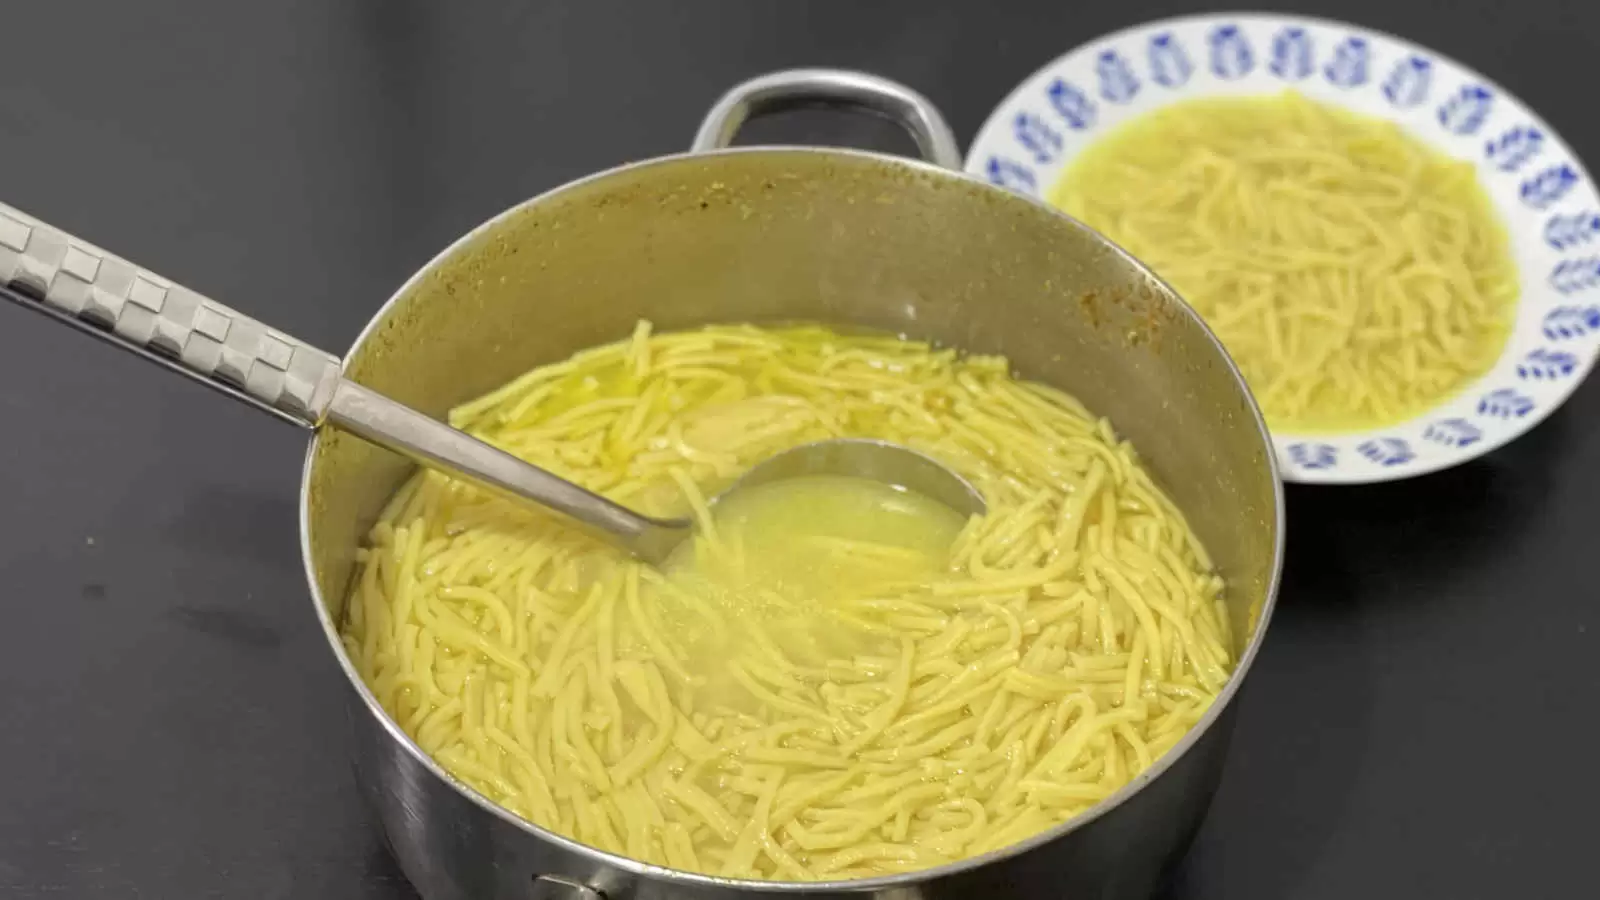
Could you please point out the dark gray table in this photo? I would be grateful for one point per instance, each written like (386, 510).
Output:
(1422, 723)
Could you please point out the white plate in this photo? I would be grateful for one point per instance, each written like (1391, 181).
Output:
(1539, 187)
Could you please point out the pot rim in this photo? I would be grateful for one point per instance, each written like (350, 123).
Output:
(639, 868)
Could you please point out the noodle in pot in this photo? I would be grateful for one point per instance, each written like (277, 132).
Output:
(831, 679)
(1357, 276)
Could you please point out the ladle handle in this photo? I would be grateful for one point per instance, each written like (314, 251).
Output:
(831, 87)
(50, 271)
(425, 440)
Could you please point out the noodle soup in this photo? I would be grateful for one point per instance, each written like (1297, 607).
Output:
(1357, 276)
(833, 679)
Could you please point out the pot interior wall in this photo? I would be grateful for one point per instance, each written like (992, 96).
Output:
(840, 238)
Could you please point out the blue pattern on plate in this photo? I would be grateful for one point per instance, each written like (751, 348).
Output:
(1510, 150)
(1466, 111)
(1118, 84)
(1407, 84)
(1453, 432)
(1291, 54)
(1231, 56)
(1504, 403)
(1546, 365)
(1011, 175)
(1072, 105)
(1033, 132)
(1565, 322)
(1387, 451)
(1573, 275)
(1348, 68)
(1313, 456)
(1548, 186)
(1169, 64)
(1562, 232)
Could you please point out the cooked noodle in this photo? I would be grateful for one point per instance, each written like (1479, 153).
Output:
(910, 706)
(1357, 276)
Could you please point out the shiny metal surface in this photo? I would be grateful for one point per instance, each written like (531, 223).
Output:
(830, 87)
(878, 460)
(803, 234)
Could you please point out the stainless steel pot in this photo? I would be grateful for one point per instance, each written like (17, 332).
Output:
(838, 236)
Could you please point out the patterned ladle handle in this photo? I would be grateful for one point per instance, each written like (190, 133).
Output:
(163, 321)
(75, 282)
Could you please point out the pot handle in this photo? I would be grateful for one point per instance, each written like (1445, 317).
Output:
(834, 88)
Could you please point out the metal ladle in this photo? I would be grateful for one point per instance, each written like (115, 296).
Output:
(50, 271)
